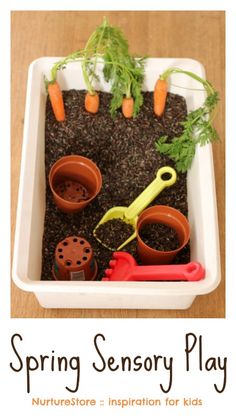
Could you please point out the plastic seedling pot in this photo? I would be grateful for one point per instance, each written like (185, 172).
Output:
(74, 260)
(202, 209)
(74, 181)
(162, 214)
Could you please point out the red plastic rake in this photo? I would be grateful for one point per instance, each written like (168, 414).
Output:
(123, 267)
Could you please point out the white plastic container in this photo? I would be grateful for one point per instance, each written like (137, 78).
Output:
(27, 260)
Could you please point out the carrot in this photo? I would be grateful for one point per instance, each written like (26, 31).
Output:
(160, 93)
(56, 99)
(128, 107)
(91, 102)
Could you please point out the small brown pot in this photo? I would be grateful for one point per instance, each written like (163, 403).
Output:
(170, 217)
(74, 181)
(74, 260)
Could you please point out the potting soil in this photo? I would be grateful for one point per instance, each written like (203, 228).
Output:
(114, 232)
(159, 236)
(125, 152)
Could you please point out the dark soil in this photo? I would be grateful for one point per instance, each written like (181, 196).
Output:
(159, 237)
(114, 232)
(124, 150)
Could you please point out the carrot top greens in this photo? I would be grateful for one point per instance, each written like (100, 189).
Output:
(108, 46)
(197, 128)
(123, 71)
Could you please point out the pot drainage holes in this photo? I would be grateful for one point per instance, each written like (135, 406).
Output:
(68, 263)
(72, 191)
(74, 258)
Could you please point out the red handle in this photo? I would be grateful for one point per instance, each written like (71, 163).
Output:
(192, 271)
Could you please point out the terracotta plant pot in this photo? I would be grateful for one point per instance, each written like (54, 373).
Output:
(170, 217)
(74, 260)
(74, 181)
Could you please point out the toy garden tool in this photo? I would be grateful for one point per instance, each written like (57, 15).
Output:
(130, 214)
(124, 268)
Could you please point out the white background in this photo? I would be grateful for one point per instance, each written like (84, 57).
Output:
(127, 337)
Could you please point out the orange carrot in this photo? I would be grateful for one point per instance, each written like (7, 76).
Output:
(56, 99)
(91, 102)
(128, 107)
(160, 93)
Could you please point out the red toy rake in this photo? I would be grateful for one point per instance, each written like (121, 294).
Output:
(123, 267)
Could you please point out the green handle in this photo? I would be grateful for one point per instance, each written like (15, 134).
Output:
(152, 190)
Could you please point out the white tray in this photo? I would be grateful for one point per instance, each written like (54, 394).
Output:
(27, 260)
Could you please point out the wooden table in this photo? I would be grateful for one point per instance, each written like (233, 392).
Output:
(198, 34)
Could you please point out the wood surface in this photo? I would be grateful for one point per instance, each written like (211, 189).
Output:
(193, 34)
